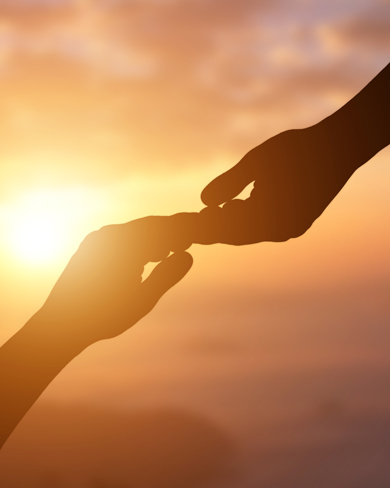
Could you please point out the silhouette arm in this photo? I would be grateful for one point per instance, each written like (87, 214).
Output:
(29, 361)
(99, 295)
(361, 128)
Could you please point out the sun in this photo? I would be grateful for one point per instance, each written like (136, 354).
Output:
(44, 225)
(38, 237)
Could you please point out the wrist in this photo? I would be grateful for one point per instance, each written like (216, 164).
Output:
(346, 142)
(52, 336)
(361, 128)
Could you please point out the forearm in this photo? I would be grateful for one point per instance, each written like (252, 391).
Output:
(361, 128)
(29, 361)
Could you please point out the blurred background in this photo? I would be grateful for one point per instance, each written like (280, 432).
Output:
(268, 366)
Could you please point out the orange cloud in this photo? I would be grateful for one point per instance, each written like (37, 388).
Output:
(135, 86)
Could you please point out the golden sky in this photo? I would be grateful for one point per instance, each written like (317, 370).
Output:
(112, 110)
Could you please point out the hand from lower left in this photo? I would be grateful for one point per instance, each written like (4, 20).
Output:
(101, 294)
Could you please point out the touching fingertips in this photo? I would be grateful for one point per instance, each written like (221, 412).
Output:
(181, 246)
(181, 229)
(212, 211)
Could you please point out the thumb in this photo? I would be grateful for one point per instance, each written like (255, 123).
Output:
(165, 275)
(230, 184)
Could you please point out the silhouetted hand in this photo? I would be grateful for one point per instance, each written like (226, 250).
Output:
(296, 173)
(100, 294)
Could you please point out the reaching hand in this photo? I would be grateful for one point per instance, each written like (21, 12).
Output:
(296, 173)
(100, 294)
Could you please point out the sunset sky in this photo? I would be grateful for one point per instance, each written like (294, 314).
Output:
(114, 110)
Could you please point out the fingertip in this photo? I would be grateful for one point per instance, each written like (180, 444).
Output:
(231, 183)
(166, 275)
(226, 187)
(181, 246)
(182, 261)
(172, 269)
(210, 195)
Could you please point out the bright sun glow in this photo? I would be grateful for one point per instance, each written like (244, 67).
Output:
(45, 225)
(38, 237)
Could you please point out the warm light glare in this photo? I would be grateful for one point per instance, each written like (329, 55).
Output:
(44, 226)
(38, 237)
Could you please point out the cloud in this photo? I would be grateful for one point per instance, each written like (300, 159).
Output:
(368, 29)
(133, 85)
(36, 14)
